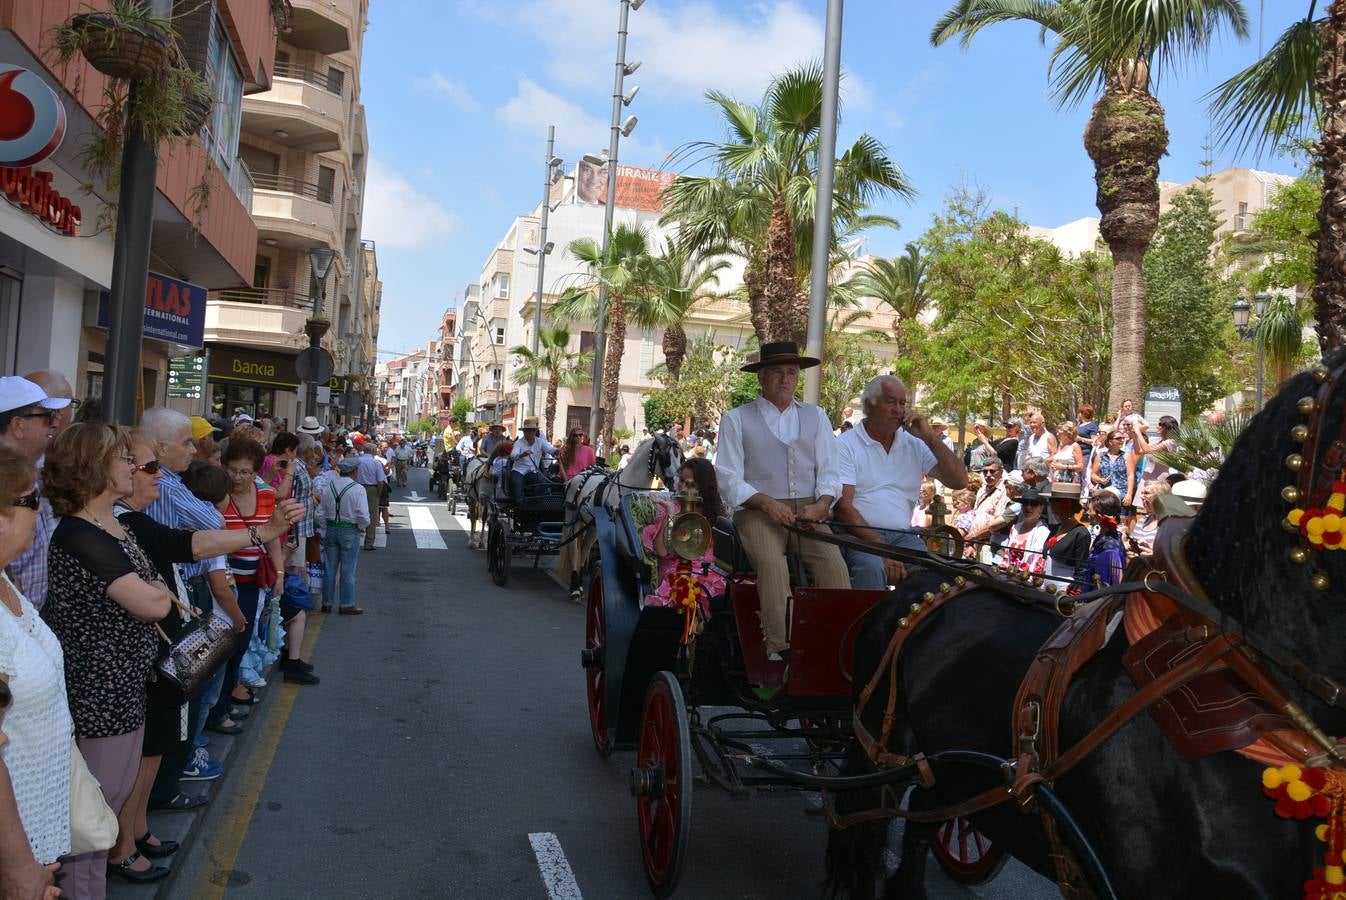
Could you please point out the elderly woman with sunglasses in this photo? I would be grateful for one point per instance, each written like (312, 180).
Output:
(104, 597)
(35, 721)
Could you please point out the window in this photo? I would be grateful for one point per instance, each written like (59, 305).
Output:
(261, 272)
(227, 83)
(502, 285)
(326, 183)
(500, 335)
(586, 341)
(1241, 220)
(336, 80)
(259, 162)
(495, 379)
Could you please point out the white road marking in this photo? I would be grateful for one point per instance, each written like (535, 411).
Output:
(380, 536)
(425, 530)
(557, 876)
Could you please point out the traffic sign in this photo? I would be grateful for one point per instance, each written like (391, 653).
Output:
(314, 364)
(186, 377)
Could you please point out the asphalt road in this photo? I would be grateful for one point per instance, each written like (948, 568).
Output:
(450, 726)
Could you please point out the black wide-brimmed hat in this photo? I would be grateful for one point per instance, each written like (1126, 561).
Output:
(779, 353)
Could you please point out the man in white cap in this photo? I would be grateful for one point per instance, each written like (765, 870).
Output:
(526, 457)
(55, 386)
(28, 419)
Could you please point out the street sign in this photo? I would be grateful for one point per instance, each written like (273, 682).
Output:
(186, 377)
(324, 395)
(314, 364)
(1162, 401)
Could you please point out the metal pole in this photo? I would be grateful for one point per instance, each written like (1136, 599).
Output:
(822, 216)
(311, 400)
(541, 266)
(1259, 376)
(130, 272)
(600, 323)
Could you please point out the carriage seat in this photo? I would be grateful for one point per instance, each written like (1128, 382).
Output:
(732, 559)
(542, 497)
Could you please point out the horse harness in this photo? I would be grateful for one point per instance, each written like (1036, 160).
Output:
(1201, 675)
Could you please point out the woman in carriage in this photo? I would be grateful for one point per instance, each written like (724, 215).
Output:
(701, 473)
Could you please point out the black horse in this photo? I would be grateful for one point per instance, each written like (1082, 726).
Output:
(1163, 828)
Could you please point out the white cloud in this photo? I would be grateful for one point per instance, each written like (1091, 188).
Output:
(533, 108)
(684, 51)
(454, 90)
(398, 215)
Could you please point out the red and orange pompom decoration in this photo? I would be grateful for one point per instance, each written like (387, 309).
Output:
(685, 594)
(1324, 528)
(1301, 793)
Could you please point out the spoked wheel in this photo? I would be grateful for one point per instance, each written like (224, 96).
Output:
(965, 853)
(501, 556)
(492, 537)
(662, 783)
(594, 660)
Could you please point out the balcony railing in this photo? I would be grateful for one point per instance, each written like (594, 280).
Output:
(240, 180)
(327, 81)
(266, 296)
(287, 184)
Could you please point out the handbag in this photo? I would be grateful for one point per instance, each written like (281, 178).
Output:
(202, 645)
(266, 572)
(93, 824)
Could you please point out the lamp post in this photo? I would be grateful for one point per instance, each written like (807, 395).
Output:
(320, 261)
(822, 217)
(1242, 312)
(619, 129)
(553, 168)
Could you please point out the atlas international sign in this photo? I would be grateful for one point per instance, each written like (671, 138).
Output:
(175, 311)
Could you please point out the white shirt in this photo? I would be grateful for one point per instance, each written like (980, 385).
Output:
(887, 482)
(527, 457)
(354, 506)
(465, 445)
(403, 453)
(785, 426)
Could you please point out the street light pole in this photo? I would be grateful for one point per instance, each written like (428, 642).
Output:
(550, 166)
(822, 216)
(600, 322)
(320, 260)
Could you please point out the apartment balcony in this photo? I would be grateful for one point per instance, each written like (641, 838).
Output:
(327, 26)
(305, 109)
(268, 318)
(295, 214)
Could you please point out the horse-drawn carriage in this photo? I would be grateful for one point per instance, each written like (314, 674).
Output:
(690, 686)
(529, 525)
(1174, 736)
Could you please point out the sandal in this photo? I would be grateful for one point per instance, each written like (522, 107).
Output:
(144, 876)
(252, 700)
(238, 713)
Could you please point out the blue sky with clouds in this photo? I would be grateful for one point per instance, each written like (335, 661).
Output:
(459, 94)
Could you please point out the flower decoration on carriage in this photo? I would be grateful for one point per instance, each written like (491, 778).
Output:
(1312, 792)
(1318, 501)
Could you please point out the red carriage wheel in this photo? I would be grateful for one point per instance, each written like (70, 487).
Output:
(965, 853)
(662, 783)
(594, 659)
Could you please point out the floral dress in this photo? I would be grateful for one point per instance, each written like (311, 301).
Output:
(1025, 551)
(712, 581)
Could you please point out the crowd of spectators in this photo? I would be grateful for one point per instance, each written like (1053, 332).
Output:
(112, 541)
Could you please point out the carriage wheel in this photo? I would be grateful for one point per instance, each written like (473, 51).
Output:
(662, 783)
(594, 660)
(501, 555)
(493, 536)
(965, 853)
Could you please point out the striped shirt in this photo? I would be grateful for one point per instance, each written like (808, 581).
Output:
(243, 563)
(178, 507)
(301, 489)
(30, 567)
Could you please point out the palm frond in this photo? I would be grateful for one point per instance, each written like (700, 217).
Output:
(1274, 97)
(1202, 447)
(967, 17)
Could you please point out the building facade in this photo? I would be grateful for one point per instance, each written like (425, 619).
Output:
(55, 271)
(304, 143)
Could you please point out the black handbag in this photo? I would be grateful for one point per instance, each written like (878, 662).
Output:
(199, 649)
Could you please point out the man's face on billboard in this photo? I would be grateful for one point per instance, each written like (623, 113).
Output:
(592, 182)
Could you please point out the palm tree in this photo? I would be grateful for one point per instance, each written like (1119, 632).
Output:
(898, 284)
(1116, 45)
(624, 273)
(1299, 83)
(760, 202)
(679, 277)
(555, 362)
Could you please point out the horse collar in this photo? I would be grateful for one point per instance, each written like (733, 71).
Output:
(1318, 496)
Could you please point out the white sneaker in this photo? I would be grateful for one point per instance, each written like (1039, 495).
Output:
(254, 682)
(774, 656)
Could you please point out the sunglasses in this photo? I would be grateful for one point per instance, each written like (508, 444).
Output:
(149, 468)
(48, 414)
(29, 500)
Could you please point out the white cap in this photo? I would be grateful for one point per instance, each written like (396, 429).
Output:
(243, 417)
(1190, 489)
(17, 393)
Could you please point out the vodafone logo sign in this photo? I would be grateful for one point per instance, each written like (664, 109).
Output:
(32, 119)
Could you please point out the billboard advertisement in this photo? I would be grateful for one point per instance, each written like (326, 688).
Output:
(175, 311)
(637, 188)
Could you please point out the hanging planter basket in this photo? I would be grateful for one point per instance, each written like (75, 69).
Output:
(119, 49)
(316, 328)
(197, 111)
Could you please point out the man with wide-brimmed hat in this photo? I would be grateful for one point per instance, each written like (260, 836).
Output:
(495, 435)
(526, 457)
(777, 463)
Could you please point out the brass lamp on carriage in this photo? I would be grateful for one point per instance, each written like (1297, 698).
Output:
(687, 536)
(940, 537)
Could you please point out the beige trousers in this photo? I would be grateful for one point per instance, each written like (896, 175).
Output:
(765, 543)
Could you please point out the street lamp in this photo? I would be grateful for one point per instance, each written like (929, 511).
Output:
(554, 166)
(320, 262)
(619, 130)
(1242, 312)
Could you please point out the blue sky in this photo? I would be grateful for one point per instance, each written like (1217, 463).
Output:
(459, 94)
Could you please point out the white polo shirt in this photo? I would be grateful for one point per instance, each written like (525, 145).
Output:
(887, 483)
